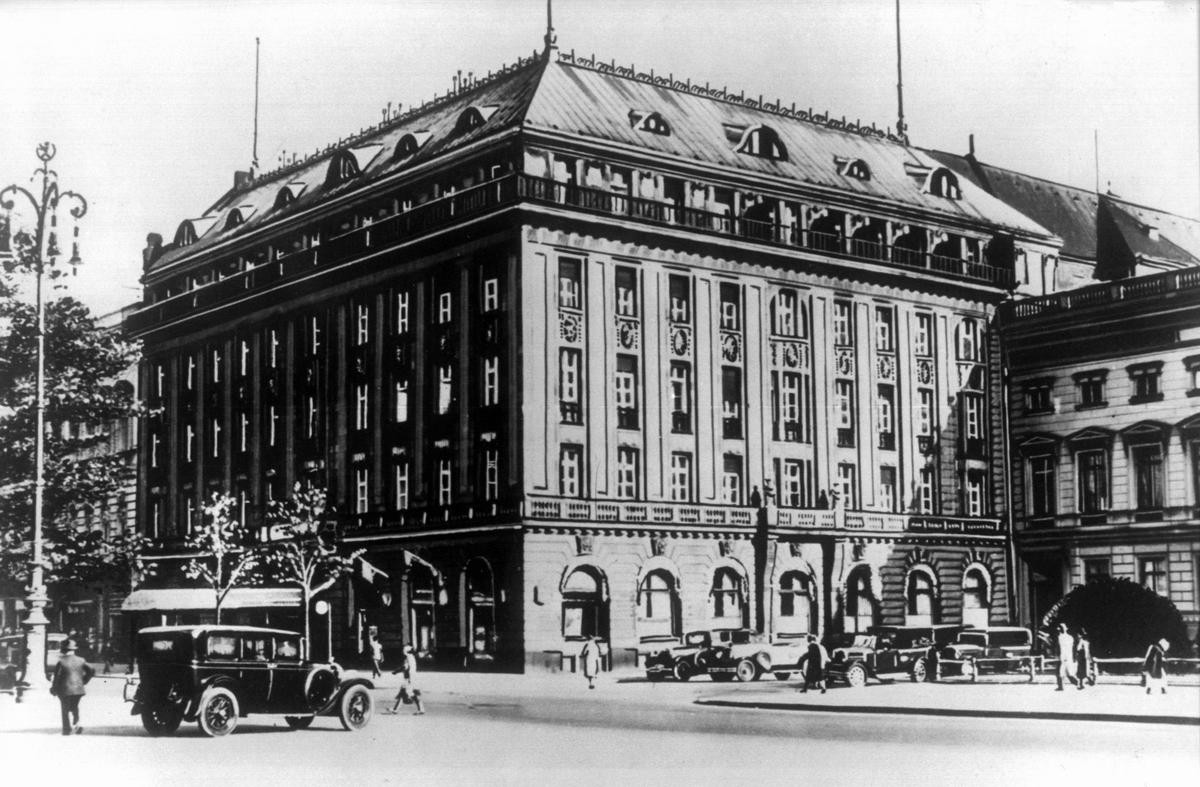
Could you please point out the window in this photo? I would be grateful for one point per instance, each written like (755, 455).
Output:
(731, 307)
(154, 443)
(445, 482)
(627, 473)
(401, 485)
(843, 328)
(650, 122)
(681, 477)
(1096, 568)
(783, 320)
(215, 430)
(847, 485)
(789, 406)
(361, 490)
(925, 496)
(731, 480)
(445, 308)
(921, 598)
(491, 474)
(1037, 396)
(1191, 365)
(861, 604)
(491, 381)
(402, 313)
(658, 604)
(1148, 476)
(1195, 458)
(843, 412)
(445, 389)
(885, 329)
(190, 376)
(681, 297)
(627, 392)
(972, 424)
(944, 183)
(853, 168)
(360, 406)
(570, 409)
(243, 360)
(887, 488)
(974, 499)
(681, 397)
(1152, 573)
(1093, 481)
(585, 607)
(976, 597)
(923, 335)
(763, 142)
(793, 483)
(362, 333)
(214, 365)
(1145, 378)
(885, 419)
(569, 284)
(491, 295)
(626, 292)
(189, 441)
(1089, 387)
(401, 394)
(1043, 492)
(272, 425)
(728, 601)
(970, 341)
(731, 401)
(570, 471)
(795, 603)
(160, 374)
(272, 349)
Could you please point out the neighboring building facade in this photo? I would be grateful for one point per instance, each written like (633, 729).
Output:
(578, 351)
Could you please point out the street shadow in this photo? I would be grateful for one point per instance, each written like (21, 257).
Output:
(135, 730)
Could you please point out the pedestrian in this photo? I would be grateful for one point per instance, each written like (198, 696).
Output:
(812, 665)
(70, 675)
(376, 656)
(409, 694)
(108, 655)
(589, 658)
(1066, 656)
(1155, 666)
(1083, 658)
(931, 661)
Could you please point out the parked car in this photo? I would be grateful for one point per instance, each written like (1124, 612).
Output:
(886, 652)
(12, 655)
(214, 675)
(725, 654)
(991, 649)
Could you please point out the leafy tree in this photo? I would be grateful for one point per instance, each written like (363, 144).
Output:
(1121, 617)
(307, 555)
(84, 398)
(227, 557)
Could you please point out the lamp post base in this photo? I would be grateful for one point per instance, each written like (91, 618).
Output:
(37, 687)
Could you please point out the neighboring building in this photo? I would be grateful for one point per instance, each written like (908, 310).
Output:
(615, 355)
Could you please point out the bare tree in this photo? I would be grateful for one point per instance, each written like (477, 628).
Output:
(227, 557)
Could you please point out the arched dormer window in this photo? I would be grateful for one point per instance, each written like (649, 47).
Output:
(650, 122)
(853, 168)
(943, 183)
(409, 144)
(763, 142)
(192, 229)
(289, 193)
(474, 117)
(349, 163)
(238, 216)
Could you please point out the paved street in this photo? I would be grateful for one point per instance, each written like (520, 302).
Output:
(522, 730)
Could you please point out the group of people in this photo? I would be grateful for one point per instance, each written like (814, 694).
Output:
(1074, 658)
(409, 694)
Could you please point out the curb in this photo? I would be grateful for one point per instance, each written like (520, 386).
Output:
(952, 712)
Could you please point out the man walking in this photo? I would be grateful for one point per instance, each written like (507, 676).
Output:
(1155, 666)
(1066, 656)
(409, 694)
(70, 675)
(813, 665)
(589, 658)
(376, 656)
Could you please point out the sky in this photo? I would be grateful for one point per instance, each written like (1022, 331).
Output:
(150, 103)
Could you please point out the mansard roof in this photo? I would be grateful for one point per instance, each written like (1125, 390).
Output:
(582, 100)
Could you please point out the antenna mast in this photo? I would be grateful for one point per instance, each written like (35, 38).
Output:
(551, 39)
(901, 126)
(254, 153)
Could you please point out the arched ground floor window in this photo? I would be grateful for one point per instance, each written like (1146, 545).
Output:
(584, 604)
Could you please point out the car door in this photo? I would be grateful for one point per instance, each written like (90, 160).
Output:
(287, 690)
(256, 672)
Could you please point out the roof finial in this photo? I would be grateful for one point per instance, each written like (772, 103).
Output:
(901, 126)
(551, 39)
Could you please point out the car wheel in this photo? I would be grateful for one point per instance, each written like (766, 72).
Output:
(856, 676)
(746, 670)
(354, 711)
(218, 713)
(682, 671)
(919, 671)
(319, 687)
(162, 720)
(299, 722)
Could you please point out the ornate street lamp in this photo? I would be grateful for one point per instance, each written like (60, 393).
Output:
(41, 259)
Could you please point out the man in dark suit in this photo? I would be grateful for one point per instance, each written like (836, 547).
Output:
(70, 675)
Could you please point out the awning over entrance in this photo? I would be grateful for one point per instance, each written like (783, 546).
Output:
(175, 599)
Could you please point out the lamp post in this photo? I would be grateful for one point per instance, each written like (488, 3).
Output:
(41, 259)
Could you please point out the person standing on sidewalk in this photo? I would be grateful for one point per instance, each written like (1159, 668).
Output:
(409, 694)
(1155, 666)
(1083, 658)
(70, 675)
(589, 659)
(812, 665)
(1066, 656)
(376, 656)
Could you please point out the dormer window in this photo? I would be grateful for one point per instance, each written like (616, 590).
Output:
(474, 117)
(763, 142)
(853, 168)
(289, 193)
(650, 122)
(943, 183)
(342, 168)
(409, 144)
(238, 216)
(191, 229)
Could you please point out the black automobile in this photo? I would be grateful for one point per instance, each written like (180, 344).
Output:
(886, 651)
(699, 653)
(214, 675)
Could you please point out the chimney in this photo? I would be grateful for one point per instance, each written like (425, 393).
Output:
(970, 146)
(153, 249)
(242, 178)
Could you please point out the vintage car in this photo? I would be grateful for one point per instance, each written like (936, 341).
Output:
(725, 654)
(991, 649)
(886, 652)
(12, 658)
(214, 675)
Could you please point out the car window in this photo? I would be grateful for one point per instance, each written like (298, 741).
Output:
(739, 637)
(222, 646)
(1010, 638)
(863, 641)
(979, 639)
(696, 638)
(287, 649)
(256, 647)
(164, 648)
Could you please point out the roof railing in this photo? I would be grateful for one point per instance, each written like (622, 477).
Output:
(1103, 294)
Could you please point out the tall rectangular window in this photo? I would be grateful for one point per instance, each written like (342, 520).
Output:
(791, 483)
(272, 425)
(362, 490)
(360, 406)
(627, 472)
(681, 299)
(189, 378)
(972, 420)
(491, 474)
(885, 417)
(1148, 476)
(445, 482)
(681, 397)
(313, 328)
(1152, 572)
(1146, 380)
(400, 393)
(214, 365)
(847, 479)
(887, 488)
(789, 405)
(400, 483)
(843, 324)
(732, 484)
(626, 284)
(243, 359)
(362, 332)
(731, 307)
(925, 413)
(491, 295)
(402, 314)
(1043, 491)
(570, 471)
(626, 393)
(569, 284)
(491, 381)
(923, 335)
(974, 495)
(926, 490)
(570, 406)
(1093, 481)
(681, 477)
(885, 329)
(445, 388)
(843, 414)
(1096, 568)
(783, 320)
(189, 442)
(731, 401)
(273, 348)
(445, 312)
(214, 429)
(1089, 388)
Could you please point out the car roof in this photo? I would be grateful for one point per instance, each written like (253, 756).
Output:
(220, 629)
